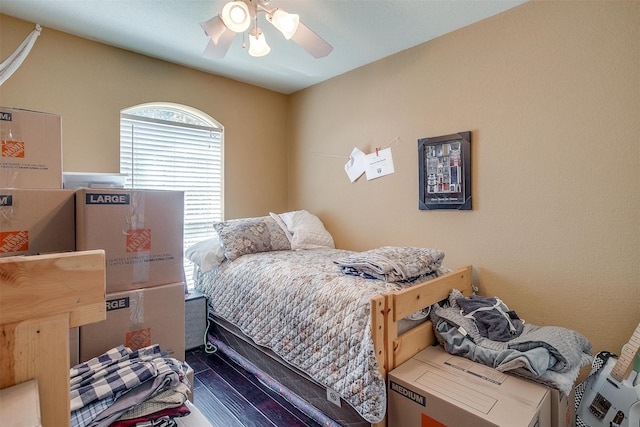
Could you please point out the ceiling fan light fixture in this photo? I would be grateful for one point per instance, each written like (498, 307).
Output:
(286, 23)
(238, 16)
(235, 15)
(257, 43)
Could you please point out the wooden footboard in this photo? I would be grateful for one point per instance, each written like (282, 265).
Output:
(379, 311)
(400, 348)
(392, 349)
(378, 327)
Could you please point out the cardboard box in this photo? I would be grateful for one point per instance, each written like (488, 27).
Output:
(36, 221)
(563, 410)
(141, 232)
(31, 149)
(137, 319)
(435, 388)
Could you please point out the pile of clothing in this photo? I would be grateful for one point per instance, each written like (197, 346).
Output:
(484, 330)
(125, 388)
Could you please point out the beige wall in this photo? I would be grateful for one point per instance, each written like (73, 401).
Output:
(551, 94)
(88, 83)
(550, 91)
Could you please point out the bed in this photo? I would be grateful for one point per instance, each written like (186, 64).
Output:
(284, 298)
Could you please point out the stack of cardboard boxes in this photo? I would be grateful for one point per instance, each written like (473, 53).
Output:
(140, 231)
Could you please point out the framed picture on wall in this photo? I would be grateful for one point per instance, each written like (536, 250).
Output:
(444, 169)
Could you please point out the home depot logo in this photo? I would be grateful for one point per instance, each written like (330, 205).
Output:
(138, 240)
(14, 241)
(12, 148)
(138, 339)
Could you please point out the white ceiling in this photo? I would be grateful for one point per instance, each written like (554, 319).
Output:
(360, 31)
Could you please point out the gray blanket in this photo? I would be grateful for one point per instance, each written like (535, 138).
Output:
(392, 264)
(550, 355)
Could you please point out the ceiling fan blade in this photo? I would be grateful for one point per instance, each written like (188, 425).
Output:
(311, 42)
(220, 38)
(218, 51)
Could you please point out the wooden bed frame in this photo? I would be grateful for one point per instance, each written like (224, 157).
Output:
(393, 349)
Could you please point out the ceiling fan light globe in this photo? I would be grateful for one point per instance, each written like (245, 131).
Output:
(235, 15)
(286, 23)
(258, 44)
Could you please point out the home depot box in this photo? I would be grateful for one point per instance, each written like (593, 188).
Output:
(137, 319)
(31, 149)
(563, 410)
(36, 221)
(435, 388)
(140, 232)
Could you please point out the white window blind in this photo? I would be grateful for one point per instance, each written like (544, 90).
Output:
(159, 154)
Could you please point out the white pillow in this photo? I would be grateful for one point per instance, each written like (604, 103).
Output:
(304, 230)
(207, 254)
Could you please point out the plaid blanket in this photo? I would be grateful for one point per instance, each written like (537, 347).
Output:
(97, 384)
(115, 371)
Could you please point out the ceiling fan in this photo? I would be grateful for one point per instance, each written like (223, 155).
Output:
(238, 16)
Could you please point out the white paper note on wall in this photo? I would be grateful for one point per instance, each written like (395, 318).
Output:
(356, 164)
(379, 163)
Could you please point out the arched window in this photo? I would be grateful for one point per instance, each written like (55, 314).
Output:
(167, 146)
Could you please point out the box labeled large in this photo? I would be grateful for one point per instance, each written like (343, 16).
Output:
(141, 232)
(435, 389)
(36, 222)
(138, 319)
(31, 149)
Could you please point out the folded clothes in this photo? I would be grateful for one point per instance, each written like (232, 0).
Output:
(172, 398)
(391, 263)
(110, 385)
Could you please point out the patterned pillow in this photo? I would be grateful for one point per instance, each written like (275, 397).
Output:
(251, 235)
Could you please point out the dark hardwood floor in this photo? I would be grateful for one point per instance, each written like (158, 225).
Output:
(229, 396)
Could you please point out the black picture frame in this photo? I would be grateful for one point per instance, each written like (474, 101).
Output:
(444, 166)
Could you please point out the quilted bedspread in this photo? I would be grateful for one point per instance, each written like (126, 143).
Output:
(299, 304)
